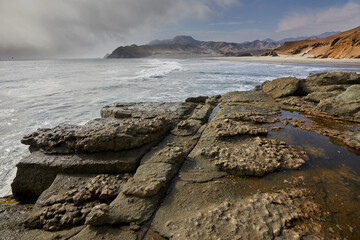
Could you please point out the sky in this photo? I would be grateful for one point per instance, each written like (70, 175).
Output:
(37, 29)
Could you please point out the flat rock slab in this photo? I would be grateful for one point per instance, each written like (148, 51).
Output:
(106, 134)
(36, 172)
(142, 194)
(45, 235)
(281, 87)
(170, 110)
(212, 211)
(235, 143)
(105, 232)
(254, 157)
(251, 106)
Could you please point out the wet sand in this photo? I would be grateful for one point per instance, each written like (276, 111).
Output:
(289, 59)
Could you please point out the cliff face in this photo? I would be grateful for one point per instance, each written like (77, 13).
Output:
(342, 45)
(186, 45)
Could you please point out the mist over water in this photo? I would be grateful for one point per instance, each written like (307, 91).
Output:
(37, 94)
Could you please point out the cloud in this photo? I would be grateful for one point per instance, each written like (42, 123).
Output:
(238, 36)
(224, 23)
(43, 28)
(336, 18)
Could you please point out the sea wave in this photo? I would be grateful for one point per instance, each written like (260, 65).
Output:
(156, 68)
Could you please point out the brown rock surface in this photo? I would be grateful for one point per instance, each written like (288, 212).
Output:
(259, 216)
(342, 45)
(281, 87)
(345, 104)
(69, 199)
(36, 172)
(255, 157)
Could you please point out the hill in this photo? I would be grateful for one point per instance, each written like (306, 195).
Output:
(186, 45)
(341, 45)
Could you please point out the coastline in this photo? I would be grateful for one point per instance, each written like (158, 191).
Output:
(186, 163)
(289, 59)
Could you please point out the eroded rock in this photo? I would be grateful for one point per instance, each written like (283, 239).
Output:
(230, 129)
(281, 87)
(318, 96)
(149, 179)
(70, 199)
(98, 135)
(195, 211)
(255, 157)
(262, 216)
(36, 172)
(345, 104)
(172, 111)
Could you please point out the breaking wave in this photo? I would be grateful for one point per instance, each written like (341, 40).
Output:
(156, 68)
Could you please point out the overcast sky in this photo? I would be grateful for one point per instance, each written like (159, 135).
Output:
(92, 28)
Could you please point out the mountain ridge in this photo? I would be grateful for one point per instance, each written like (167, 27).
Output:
(341, 45)
(187, 45)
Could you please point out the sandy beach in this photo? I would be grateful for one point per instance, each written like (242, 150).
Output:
(290, 59)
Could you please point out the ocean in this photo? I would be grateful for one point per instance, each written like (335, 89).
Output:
(46, 93)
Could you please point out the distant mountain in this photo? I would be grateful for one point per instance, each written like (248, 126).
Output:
(341, 45)
(269, 40)
(182, 40)
(186, 45)
(323, 35)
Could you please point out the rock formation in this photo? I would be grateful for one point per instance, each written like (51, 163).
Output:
(201, 169)
(341, 45)
(186, 45)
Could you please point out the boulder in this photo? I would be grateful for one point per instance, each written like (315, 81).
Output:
(281, 87)
(199, 99)
(333, 78)
(329, 81)
(346, 104)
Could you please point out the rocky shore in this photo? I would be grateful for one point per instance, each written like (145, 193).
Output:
(206, 168)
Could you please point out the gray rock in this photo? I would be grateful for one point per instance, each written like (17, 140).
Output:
(36, 172)
(187, 127)
(105, 232)
(214, 210)
(142, 194)
(318, 96)
(149, 179)
(333, 78)
(345, 104)
(281, 87)
(125, 209)
(329, 81)
(230, 128)
(202, 113)
(98, 135)
(70, 198)
(172, 111)
(199, 99)
(254, 157)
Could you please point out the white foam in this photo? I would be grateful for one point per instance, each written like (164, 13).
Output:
(158, 68)
(7, 112)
